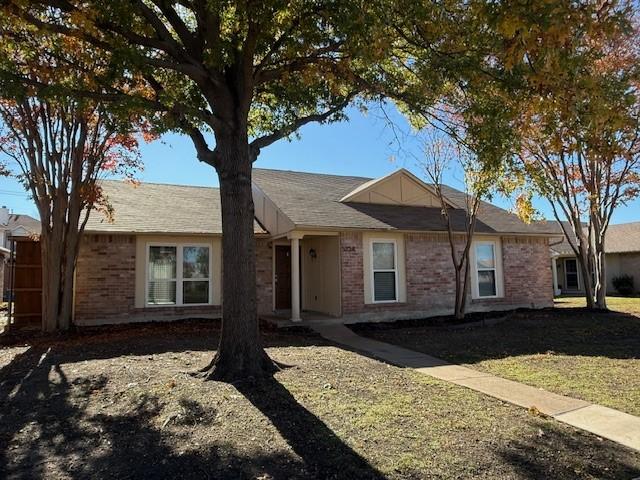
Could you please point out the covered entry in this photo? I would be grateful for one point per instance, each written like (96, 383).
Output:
(282, 277)
(307, 275)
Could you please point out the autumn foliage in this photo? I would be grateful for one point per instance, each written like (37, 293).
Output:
(59, 148)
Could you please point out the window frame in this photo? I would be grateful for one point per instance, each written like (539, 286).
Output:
(566, 275)
(374, 270)
(496, 270)
(179, 246)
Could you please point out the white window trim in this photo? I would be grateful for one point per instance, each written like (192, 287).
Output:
(497, 268)
(179, 278)
(373, 269)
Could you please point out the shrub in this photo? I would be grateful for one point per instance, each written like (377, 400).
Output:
(623, 284)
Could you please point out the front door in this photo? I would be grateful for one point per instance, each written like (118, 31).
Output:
(571, 273)
(283, 277)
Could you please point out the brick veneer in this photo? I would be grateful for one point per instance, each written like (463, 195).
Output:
(105, 280)
(352, 272)
(431, 281)
(527, 272)
(105, 284)
(105, 277)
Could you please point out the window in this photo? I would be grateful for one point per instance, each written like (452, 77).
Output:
(571, 273)
(384, 272)
(162, 275)
(178, 275)
(195, 273)
(486, 269)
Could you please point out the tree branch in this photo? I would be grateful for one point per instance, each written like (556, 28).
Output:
(266, 140)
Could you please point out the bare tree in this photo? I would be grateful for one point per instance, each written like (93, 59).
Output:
(440, 155)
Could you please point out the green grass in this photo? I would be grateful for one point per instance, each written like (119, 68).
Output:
(123, 406)
(570, 351)
(618, 304)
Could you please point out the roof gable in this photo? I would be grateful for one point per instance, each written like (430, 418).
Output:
(398, 188)
(317, 201)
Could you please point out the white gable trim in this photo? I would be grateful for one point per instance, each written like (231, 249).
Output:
(402, 172)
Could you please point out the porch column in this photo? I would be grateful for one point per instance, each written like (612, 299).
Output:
(554, 271)
(295, 276)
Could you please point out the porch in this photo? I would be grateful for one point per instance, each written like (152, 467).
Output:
(306, 277)
(567, 279)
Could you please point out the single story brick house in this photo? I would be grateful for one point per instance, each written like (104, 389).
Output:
(622, 256)
(353, 248)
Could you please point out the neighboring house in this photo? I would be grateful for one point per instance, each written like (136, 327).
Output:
(354, 248)
(12, 226)
(622, 256)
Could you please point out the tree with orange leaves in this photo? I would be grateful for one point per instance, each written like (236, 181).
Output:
(581, 135)
(59, 149)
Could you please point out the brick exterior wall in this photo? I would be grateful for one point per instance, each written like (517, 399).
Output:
(431, 281)
(105, 278)
(105, 284)
(430, 274)
(527, 273)
(352, 272)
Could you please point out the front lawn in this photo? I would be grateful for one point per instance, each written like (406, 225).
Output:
(618, 304)
(121, 404)
(570, 351)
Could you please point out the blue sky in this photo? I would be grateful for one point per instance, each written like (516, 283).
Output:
(363, 146)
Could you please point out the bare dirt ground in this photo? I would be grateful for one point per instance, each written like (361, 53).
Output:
(120, 403)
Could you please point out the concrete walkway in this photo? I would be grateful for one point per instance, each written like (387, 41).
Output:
(602, 421)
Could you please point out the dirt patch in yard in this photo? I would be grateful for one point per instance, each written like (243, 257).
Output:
(119, 403)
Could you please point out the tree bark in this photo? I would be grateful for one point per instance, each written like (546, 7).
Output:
(58, 253)
(51, 252)
(600, 272)
(586, 270)
(240, 354)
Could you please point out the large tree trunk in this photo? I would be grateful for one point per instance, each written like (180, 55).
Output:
(59, 247)
(600, 273)
(462, 287)
(51, 252)
(240, 354)
(68, 270)
(459, 300)
(586, 270)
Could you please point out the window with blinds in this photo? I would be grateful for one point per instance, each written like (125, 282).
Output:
(178, 275)
(384, 272)
(486, 269)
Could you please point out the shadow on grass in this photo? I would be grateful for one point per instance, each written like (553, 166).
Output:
(47, 431)
(49, 428)
(566, 331)
(324, 453)
(560, 453)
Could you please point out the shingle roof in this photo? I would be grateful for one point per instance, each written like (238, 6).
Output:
(160, 208)
(308, 199)
(623, 237)
(313, 200)
(620, 238)
(32, 225)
